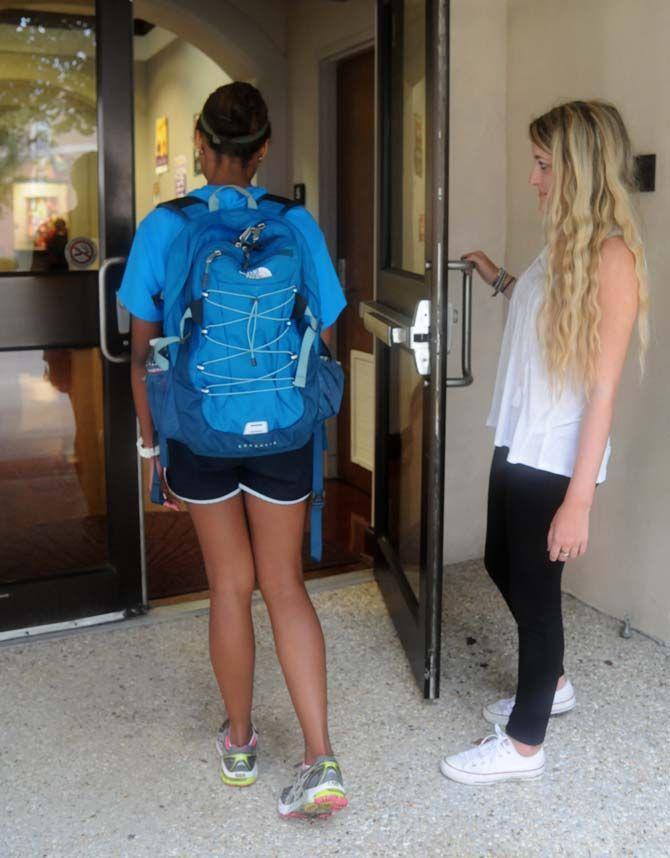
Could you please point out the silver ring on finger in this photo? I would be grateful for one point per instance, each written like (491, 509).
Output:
(564, 554)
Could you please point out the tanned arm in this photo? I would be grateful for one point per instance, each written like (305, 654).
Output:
(618, 298)
(141, 333)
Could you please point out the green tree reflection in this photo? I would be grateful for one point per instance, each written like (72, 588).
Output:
(47, 96)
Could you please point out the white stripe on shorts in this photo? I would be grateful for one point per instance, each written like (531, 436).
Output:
(273, 500)
(191, 500)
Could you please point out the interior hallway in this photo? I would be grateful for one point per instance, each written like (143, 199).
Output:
(107, 742)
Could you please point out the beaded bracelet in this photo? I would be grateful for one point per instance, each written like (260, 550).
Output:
(501, 282)
(498, 282)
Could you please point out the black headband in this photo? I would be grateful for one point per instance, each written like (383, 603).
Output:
(217, 140)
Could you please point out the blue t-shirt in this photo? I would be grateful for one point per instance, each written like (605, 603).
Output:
(145, 269)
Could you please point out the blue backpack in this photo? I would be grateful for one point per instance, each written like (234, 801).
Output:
(241, 369)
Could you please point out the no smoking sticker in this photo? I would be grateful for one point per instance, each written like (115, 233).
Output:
(81, 252)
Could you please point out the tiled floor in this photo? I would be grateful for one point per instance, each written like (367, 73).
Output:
(107, 742)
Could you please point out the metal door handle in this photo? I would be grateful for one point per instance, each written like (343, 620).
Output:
(102, 309)
(466, 377)
(414, 334)
(394, 328)
(385, 324)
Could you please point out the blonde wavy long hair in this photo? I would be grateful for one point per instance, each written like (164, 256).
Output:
(592, 194)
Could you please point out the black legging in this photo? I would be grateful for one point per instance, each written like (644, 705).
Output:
(522, 503)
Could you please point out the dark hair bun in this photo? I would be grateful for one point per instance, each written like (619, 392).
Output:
(235, 120)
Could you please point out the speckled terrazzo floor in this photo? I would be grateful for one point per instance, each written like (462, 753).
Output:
(107, 743)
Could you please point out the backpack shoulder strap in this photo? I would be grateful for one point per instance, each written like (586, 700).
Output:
(285, 202)
(180, 203)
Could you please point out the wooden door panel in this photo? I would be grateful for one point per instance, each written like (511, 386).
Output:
(355, 230)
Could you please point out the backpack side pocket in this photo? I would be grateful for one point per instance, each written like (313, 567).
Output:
(161, 401)
(331, 387)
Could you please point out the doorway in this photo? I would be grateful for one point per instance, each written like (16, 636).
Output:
(172, 80)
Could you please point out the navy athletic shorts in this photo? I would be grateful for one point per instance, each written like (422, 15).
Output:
(283, 478)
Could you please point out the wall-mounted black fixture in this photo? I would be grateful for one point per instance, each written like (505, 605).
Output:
(645, 172)
(300, 194)
(141, 27)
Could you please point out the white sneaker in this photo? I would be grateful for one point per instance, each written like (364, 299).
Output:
(499, 712)
(494, 759)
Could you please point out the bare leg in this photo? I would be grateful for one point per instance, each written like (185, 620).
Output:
(277, 533)
(224, 540)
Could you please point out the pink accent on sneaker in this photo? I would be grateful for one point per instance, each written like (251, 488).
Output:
(332, 803)
(335, 802)
(227, 743)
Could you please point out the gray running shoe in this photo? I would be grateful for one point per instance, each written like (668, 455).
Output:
(318, 791)
(238, 765)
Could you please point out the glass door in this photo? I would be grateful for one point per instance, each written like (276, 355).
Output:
(410, 322)
(69, 510)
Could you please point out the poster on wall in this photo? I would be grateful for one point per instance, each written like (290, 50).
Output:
(197, 164)
(161, 145)
(180, 176)
(156, 193)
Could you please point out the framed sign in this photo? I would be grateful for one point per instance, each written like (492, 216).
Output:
(161, 147)
(180, 176)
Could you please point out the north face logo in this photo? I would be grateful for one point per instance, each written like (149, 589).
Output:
(257, 273)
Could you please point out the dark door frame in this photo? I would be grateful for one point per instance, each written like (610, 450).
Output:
(116, 183)
(417, 621)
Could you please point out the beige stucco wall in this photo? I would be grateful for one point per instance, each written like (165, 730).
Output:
(317, 30)
(175, 83)
(477, 221)
(230, 33)
(612, 51)
(278, 45)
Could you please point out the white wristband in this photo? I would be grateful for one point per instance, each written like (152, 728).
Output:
(146, 452)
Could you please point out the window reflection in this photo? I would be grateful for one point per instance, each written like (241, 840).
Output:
(408, 137)
(48, 139)
(405, 462)
(52, 480)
